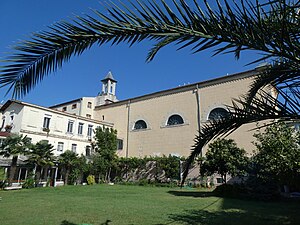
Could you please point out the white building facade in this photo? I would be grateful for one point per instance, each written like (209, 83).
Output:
(63, 130)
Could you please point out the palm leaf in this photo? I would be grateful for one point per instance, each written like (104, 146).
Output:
(271, 28)
(263, 107)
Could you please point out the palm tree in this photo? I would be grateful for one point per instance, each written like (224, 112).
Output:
(13, 146)
(67, 160)
(41, 155)
(270, 28)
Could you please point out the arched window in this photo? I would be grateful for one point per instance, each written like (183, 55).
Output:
(140, 124)
(218, 113)
(174, 120)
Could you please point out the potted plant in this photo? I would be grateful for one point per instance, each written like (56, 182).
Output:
(45, 129)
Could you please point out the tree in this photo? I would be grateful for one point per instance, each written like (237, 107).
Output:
(79, 170)
(41, 155)
(67, 160)
(224, 157)
(270, 28)
(170, 164)
(278, 155)
(13, 146)
(106, 147)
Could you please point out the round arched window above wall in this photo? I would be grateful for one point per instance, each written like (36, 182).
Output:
(140, 124)
(174, 120)
(218, 113)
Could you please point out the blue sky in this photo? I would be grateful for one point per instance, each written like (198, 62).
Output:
(82, 75)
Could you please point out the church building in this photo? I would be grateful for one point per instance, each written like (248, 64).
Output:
(161, 123)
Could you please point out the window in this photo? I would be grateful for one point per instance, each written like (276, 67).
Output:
(218, 113)
(74, 146)
(175, 120)
(74, 106)
(90, 131)
(88, 116)
(119, 144)
(80, 128)
(88, 151)
(60, 146)
(89, 105)
(70, 126)
(64, 109)
(46, 123)
(140, 124)
(11, 118)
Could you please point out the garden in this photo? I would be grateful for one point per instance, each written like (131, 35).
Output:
(113, 190)
(128, 204)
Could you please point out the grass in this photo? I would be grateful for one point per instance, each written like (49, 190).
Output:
(103, 204)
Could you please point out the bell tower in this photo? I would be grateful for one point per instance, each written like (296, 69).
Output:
(108, 93)
(109, 85)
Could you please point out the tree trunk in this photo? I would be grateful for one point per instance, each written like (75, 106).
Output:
(67, 175)
(45, 174)
(224, 178)
(105, 177)
(108, 175)
(38, 169)
(13, 168)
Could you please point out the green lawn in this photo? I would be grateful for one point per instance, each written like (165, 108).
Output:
(103, 204)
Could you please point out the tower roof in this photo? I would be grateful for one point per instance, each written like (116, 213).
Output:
(109, 76)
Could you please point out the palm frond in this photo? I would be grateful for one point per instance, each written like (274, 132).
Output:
(264, 107)
(226, 27)
(280, 72)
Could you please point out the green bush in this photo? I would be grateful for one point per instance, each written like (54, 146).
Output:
(2, 184)
(146, 182)
(2, 178)
(2, 174)
(29, 182)
(230, 190)
(91, 180)
(74, 175)
(262, 189)
(257, 190)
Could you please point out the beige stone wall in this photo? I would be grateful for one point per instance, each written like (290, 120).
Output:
(221, 95)
(158, 138)
(117, 115)
(155, 109)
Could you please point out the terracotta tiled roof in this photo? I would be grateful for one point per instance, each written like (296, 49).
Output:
(4, 134)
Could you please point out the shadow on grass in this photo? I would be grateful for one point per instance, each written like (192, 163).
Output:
(236, 211)
(234, 217)
(195, 194)
(65, 222)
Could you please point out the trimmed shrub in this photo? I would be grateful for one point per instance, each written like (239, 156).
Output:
(91, 180)
(29, 182)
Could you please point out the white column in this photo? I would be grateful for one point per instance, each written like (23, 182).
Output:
(5, 172)
(113, 88)
(55, 176)
(19, 174)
